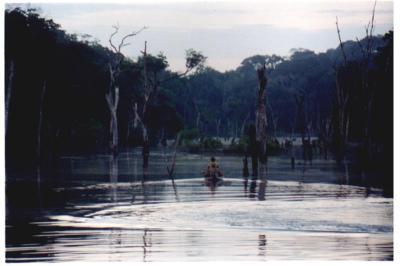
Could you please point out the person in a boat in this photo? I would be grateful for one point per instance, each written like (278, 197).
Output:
(213, 170)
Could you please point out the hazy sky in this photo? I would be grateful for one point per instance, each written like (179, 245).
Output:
(225, 31)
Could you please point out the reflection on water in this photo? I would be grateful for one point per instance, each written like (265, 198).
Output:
(262, 243)
(108, 209)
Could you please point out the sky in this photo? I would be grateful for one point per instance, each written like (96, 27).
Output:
(225, 31)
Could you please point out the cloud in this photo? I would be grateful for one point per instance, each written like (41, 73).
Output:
(226, 32)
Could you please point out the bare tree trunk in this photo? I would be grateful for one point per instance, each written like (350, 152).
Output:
(367, 54)
(340, 42)
(342, 100)
(244, 123)
(342, 118)
(198, 115)
(308, 132)
(218, 124)
(146, 144)
(302, 121)
(324, 135)
(127, 135)
(275, 121)
(113, 178)
(228, 132)
(261, 122)
(8, 92)
(39, 133)
(253, 151)
(112, 96)
(131, 122)
(151, 91)
(342, 123)
(198, 121)
(292, 152)
(113, 106)
(236, 129)
(171, 170)
(326, 143)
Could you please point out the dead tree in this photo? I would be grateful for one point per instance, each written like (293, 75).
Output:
(343, 99)
(301, 121)
(325, 127)
(292, 140)
(112, 96)
(236, 125)
(369, 93)
(146, 145)
(193, 60)
(253, 150)
(261, 121)
(244, 123)
(275, 119)
(9, 85)
(305, 125)
(309, 148)
(198, 116)
(341, 108)
(147, 94)
(113, 168)
(217, 126)
(341, 117)
(39, 132)
(340, 42)
(171, 170)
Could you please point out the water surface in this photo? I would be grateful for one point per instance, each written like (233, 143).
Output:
(100, 209)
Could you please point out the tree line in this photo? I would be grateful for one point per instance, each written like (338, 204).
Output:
(56, 87)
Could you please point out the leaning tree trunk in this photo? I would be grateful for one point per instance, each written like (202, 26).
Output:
(261, 122)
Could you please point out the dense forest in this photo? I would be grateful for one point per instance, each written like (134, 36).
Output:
(56, 87)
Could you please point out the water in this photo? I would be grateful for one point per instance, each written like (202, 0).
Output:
(99, 209)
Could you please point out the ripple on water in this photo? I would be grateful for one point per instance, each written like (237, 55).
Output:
(164, 221)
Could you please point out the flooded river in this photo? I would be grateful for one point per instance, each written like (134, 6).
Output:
(100, 209)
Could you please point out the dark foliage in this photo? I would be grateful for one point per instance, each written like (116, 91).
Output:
(210, 103)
